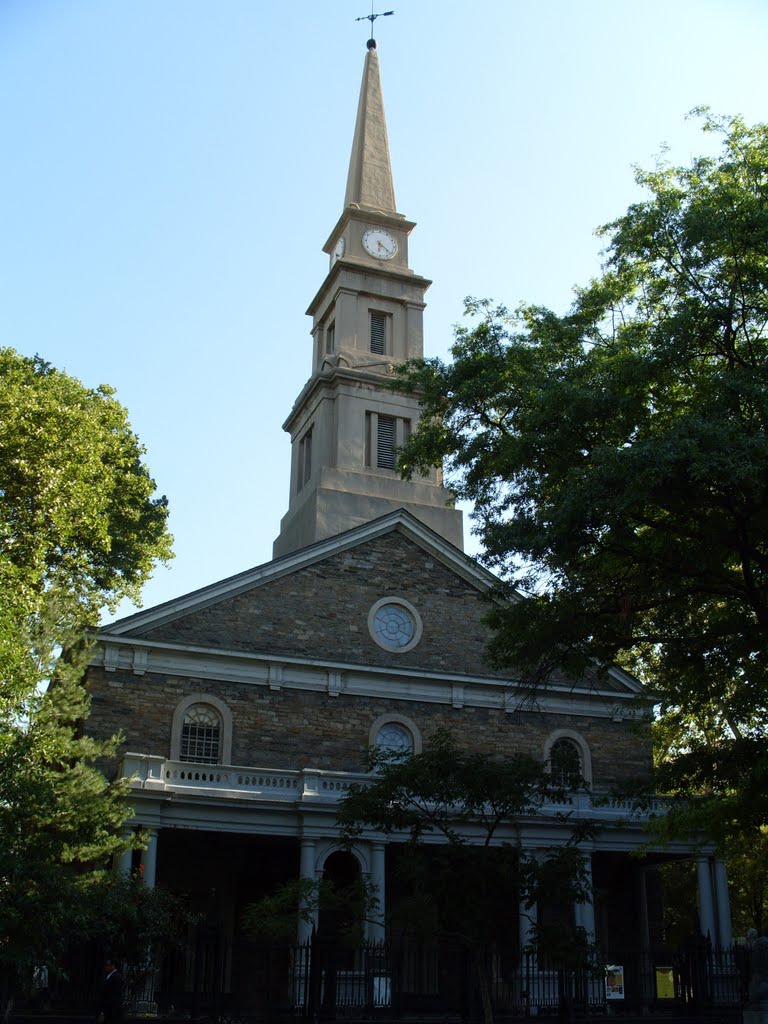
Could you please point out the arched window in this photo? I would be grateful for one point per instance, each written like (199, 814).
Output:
(395, 735)
(567, 758)
(201, 730)
(565, 763)
(394, 740)
(201, 735)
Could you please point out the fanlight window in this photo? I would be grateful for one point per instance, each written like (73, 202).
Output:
(201, 735)
(565, 763)
(394, 740)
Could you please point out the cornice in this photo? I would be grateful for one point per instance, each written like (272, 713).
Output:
(333, 378)
(157, 807)
(370, 269)
(279, 672)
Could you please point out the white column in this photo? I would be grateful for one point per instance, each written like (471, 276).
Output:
(584, 913)
(122, 862)
(149, 860)
(722, 905)
(376, 929)
(706, 904)
(307, 873)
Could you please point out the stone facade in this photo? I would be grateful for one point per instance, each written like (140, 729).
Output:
(321, 611)
(295, 730)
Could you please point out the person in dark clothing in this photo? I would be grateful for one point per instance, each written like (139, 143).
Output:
(111, 1001)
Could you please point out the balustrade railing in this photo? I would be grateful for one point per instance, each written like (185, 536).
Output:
(149, 772)
(158, 773)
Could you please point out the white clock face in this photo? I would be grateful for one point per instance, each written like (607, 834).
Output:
(379, 244)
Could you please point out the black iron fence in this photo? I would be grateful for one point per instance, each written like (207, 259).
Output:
(407, 980)
(400, 980)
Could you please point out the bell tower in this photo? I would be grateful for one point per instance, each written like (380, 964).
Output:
(347, 423)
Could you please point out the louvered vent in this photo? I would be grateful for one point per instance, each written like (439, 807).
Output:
(378, 333)
(385, 452)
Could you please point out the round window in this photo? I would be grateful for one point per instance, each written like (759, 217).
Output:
(394, 624)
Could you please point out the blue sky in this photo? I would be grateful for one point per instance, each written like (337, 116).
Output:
(169, 171)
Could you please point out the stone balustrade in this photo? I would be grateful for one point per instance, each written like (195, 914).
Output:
(152, 773)
(148, 772)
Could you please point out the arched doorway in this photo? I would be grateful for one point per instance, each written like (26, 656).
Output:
(342, 900)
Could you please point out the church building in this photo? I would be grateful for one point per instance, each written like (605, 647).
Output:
(248, 706)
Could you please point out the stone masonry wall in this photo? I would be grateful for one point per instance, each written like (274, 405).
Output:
(322, 611)
(291, 729)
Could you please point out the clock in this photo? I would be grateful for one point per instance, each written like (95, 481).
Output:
(338, 251)
(379, 243)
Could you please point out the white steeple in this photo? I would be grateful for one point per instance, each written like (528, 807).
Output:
(369, 182)
(347, 423)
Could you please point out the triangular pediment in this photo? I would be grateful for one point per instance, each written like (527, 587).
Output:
(315, 606)
(400, 522)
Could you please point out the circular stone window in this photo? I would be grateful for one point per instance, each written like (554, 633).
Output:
(395, 624)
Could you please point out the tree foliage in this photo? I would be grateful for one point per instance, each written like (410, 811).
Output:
(60, 819)
(455, 813)
(79, 530)
(133, 923)
(748, 877)
(346, 908)
(617, 458)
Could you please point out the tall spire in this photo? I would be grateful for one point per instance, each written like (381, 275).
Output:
(369, 182)
(367, 317)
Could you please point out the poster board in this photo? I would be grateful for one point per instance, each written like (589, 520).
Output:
(614, 982)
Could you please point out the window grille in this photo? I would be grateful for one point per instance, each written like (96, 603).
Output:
(394, 740)
(201, 735)
(330, 338)
(378, 333)
(565, 763)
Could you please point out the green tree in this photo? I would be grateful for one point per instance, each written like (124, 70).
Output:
(748, 876)
(274, 916)
(79, 530)
(617, 458)
(79, 526)
(136, 925)
(450, 808)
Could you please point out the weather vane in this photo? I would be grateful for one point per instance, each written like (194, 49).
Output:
(372, 17)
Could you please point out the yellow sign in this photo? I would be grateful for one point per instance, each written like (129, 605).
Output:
(665, 983)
